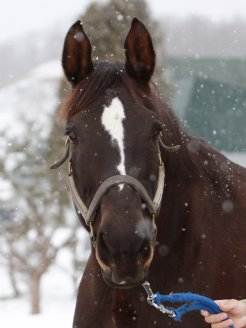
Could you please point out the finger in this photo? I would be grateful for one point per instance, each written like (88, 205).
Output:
(204, 313)
(224, 324)
(214, 318)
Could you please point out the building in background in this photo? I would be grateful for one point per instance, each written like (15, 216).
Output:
(210, 99)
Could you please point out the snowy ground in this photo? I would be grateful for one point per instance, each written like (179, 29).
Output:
(57, 311)
(61, 318)
(57, 305)
(58, 295)
(31, 99)
(47, 321)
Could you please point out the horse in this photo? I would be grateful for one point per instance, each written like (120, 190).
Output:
(159, 204)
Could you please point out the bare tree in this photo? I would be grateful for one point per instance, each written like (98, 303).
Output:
(37, 230)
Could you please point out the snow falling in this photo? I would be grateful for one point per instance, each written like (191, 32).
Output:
(206, 87)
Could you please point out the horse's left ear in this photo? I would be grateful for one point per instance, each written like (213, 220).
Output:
(140, 54)
(76, 57)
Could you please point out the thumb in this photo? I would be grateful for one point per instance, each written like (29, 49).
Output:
(226, 305)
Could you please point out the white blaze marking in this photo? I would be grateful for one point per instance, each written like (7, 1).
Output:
(112, 121)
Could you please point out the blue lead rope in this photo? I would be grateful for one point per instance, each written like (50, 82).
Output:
(192, 302)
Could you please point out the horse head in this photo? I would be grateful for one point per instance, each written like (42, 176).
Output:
(113, 146)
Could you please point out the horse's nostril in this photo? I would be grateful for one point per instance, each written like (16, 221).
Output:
(103, 248)
(144, 250)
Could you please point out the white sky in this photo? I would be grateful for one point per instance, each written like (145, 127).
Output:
(20, 16)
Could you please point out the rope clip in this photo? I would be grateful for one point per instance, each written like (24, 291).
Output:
(151, 301)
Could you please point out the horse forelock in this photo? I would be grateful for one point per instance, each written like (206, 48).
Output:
(106, 76)
(89, 89)
(113, 77)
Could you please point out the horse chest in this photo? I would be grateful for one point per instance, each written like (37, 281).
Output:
(124, 310)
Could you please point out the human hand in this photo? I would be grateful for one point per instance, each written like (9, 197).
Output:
(234, 313)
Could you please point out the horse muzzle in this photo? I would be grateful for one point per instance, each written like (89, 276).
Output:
(126, 282)
(126, 270)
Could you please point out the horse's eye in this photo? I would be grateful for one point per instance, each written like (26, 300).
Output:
(72, 136)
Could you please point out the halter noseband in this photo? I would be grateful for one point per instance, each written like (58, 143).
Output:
(89, 213)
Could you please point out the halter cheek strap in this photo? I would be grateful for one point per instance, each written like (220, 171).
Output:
(64, 157)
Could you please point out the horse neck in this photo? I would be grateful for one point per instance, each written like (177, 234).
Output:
(195, 177)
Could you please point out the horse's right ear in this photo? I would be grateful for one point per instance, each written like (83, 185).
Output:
(76, 57)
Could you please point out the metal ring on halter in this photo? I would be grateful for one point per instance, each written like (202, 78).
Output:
(171, 149)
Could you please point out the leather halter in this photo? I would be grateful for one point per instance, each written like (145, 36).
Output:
(89, 213)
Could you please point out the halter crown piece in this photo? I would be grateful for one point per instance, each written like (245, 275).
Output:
(88, 213)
